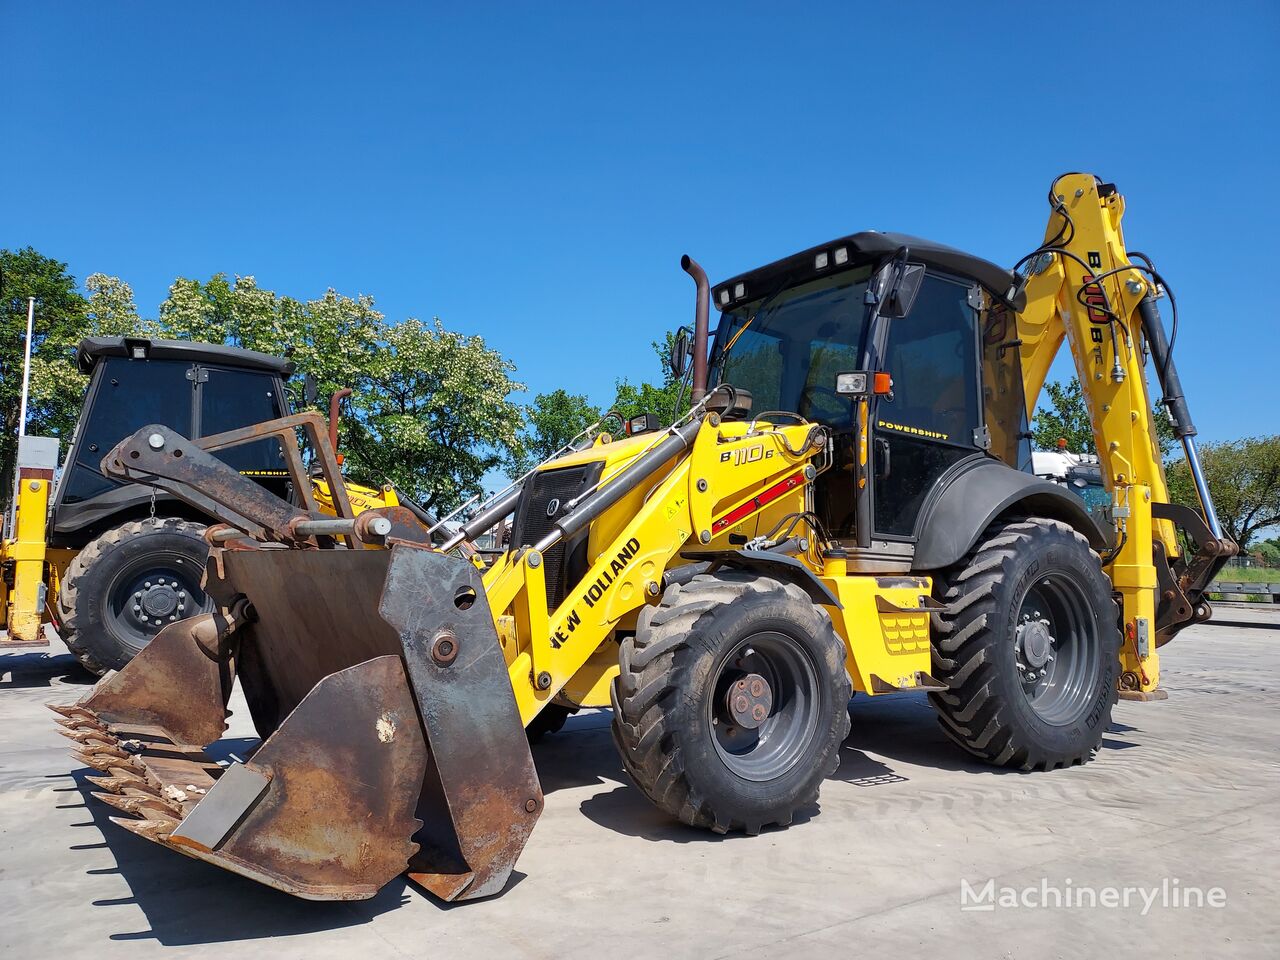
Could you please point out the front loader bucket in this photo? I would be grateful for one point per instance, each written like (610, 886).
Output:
(391, 738)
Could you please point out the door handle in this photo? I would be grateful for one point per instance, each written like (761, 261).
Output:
(882, 458)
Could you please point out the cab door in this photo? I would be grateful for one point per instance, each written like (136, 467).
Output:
(232, 398)
(933, 418)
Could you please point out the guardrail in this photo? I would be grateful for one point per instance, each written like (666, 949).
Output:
(1270, 591)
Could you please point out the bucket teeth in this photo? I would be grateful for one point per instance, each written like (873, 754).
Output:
(139, 805)
(80, 723)
(124, 780)
(109, 749)
(158, 830)
(90, 736)
(72, 711)
(115, 784)
(106, 762)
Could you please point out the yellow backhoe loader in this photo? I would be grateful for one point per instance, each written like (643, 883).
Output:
(847, 506)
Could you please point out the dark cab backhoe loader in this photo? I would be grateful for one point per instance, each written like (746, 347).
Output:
(843, 508)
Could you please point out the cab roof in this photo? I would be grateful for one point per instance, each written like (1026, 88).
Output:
(92, 349)
(859, 249)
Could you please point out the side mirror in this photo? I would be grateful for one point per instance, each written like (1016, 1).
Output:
(679, 359)
(895, 287)
(310, 390)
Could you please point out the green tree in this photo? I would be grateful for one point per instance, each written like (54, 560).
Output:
(59, 320)
(1268, 551)
(550, 422)
(236, 312)
(435, 414)
(1067, 418)
(334, 338)
(1244, 480)
(111, 310)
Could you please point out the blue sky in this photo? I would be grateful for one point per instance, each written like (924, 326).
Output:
(532, 172)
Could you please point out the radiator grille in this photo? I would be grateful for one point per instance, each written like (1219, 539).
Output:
(565, 562)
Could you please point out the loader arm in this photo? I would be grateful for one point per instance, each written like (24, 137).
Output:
(1083, 287)
(698, 481)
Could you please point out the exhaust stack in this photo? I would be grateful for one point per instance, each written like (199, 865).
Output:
(701, 325)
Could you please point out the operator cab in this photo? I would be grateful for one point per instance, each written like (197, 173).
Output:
(935, 319)
(197, 389)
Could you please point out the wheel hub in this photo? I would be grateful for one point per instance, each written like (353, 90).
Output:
(748, 701)
(157, 600)
(160, 601)
(1035, 643)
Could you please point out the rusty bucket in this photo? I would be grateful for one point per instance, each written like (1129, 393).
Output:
(391, 740)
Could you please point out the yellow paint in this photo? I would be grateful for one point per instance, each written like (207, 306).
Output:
(1119, 410)
(23, 610)
(893, 646)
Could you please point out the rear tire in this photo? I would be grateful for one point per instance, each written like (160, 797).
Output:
(673, 723)
(101, 588)
(1029, 646)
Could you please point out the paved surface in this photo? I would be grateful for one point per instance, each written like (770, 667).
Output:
(1187, 791)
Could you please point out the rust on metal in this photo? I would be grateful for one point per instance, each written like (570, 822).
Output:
(748, 701)
(172, 683)
(139, 805)
(390, 733)
(474, 810)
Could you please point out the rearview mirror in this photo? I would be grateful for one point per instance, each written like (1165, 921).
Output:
(679, 359)
(310, 390)
(895, 286)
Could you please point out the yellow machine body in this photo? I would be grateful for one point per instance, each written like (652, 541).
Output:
(630, 567)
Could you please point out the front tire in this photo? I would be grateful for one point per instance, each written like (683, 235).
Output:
(128, 584)
(1029, 647)
(732, 701)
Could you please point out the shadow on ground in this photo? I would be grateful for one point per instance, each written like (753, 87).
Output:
(20, 671)
(188, 902)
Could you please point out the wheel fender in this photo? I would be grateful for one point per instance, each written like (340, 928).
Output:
(965, 503)
(777, 565)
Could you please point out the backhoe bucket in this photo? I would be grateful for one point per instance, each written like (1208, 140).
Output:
(390, 734)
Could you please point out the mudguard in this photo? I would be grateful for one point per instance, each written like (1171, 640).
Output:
(966, 500)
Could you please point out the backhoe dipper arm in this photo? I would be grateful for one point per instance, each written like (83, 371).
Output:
(1082, 286)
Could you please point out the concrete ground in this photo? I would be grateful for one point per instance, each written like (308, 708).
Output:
(1186, 791)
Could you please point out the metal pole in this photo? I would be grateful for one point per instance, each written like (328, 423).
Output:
(12, 517)
(26, 369)
(1202, 487)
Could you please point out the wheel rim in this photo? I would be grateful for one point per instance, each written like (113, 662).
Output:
(778, 675)
(1057, 648)
(150, 593)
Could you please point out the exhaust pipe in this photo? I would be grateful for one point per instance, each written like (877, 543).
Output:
(701, 325)
(334, 413)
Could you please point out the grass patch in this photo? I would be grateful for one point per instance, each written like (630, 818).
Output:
(1249, 574)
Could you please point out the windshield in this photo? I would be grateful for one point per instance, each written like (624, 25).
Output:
(787, 348)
